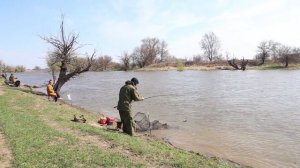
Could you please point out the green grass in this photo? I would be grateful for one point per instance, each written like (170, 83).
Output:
(34, 143)
(274, 66)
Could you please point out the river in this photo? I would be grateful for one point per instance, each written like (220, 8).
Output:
(250, 117)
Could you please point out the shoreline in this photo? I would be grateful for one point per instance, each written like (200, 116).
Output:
(64, 103)
(206, 67)
(147, 135)
(217, 67)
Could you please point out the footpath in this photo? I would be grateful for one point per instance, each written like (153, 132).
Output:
(5, 152)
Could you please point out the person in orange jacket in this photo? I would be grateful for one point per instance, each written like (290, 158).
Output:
(51, 91)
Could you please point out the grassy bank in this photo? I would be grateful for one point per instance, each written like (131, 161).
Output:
(273, 66)
(40, 134)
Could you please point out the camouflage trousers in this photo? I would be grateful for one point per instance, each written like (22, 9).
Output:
(127, 122)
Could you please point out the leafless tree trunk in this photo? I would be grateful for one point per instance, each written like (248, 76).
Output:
(106, 61)
(2, 66)
(64, 54)
(102, 63)
(147, 52)
(244, 64)
(290, 58)
(210, 44)
(264, 50)
(138, 57)
(125, 59)
(3, 69)
(235, 65)
(164, 53)
(284, 52)
(197, 59)
(286, 61)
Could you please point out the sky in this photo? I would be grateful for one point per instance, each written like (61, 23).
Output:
(114, 26)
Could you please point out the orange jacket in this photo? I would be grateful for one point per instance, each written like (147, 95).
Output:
(50, 90)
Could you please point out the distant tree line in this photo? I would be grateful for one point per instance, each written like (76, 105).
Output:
(154, 52)
(4, 68)
(151, 51)
(277, 53)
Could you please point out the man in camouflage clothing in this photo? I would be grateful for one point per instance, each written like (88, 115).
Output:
(128, 93)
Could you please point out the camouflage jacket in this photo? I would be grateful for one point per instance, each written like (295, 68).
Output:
(128, 93)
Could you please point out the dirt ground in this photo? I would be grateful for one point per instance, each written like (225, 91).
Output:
(5, 153)
(1, 91)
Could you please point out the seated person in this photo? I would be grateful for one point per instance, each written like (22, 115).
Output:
(3, 75)
(51, 92)
(17, 83)
(12, 79)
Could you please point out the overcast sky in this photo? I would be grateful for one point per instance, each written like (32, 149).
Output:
(114, 26)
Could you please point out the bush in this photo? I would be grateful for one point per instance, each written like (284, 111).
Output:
(180, 66)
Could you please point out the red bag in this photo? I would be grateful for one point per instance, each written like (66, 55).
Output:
(109, 119)
(102, 120)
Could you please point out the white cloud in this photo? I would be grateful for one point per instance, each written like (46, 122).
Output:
(119, 25)
(150, 21)
(28, 58)
(246, 12)
(240, 25)
(186, 46)
(241, 29)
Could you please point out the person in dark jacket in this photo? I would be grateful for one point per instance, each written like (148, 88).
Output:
(12, 79)
(128, 93)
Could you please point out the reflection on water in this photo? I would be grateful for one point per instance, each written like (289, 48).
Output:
(250, 117)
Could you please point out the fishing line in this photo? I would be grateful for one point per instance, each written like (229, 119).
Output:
(155, 96)
(159, 96)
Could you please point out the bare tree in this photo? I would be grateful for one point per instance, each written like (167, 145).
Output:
(3, 69)
(147, 52)
(125, 61)
(197, 59)
(210, 44)
(64, 54)
(105, 60)
(102, 63)
(273, 50)
(264, 50)
(53, 66)
(163, 53)
(234, 63)
(20, 68)
(138, 57)
(284, 53)
(37, 68)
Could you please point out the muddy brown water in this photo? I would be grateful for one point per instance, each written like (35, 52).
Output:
(250, 117)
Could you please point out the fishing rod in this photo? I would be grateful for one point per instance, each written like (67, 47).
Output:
(158, 96)
(154, 97)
